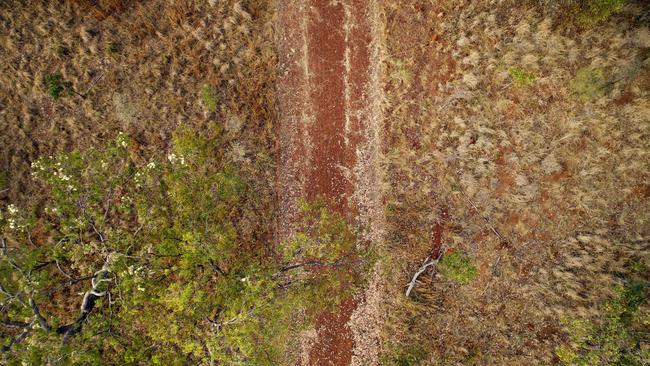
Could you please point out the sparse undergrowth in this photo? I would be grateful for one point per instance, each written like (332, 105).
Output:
(209, 100)
(588, 83)
(521, 77)
(591, 12)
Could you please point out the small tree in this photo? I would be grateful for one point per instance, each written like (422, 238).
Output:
(141, 263)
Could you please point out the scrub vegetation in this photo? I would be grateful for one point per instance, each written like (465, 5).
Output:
(518, 148)
(140, 160)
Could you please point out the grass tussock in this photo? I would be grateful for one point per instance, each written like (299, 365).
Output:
(99, 49)
(529, 167)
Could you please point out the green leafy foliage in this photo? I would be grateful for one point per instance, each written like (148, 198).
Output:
(409, 356)
(458, 267)
(56, 86)
(521, 77)
(617, 337)
(590, 12)
(209, 99)
(589, 83)
(62, 51)
(156, 247)
(324, 244)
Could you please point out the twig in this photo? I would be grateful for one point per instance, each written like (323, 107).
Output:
(108, 205)
(312, 264)
(29, 239)
(487, 221)
(37, 313)
(19, 338)
(92, 83)
(99, 234)
(11, 296)
(62, 271)
(138, 230)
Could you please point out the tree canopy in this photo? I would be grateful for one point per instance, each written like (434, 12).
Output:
(133, 261)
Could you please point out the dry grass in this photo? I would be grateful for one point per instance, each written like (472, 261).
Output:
(141, 66)
(471, 149)
(558, 168)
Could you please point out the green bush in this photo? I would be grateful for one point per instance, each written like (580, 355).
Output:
(56, 86)
(113, 47)
(521, 77)
(62, 51)
(410, 356)
(617, 337)
(590, 12)
(457, 267)
(589, 83)
(209, 99)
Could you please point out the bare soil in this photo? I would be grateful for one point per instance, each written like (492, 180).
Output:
(323, 101)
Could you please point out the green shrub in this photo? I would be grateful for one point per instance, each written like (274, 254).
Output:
(457, 267)
(617, 337)
(62, 50)
(409, 356)
(209, 98)
(521, 77)
(589, 83)
(590, 12)
(324, 242)
(56, 86)
(113, 47)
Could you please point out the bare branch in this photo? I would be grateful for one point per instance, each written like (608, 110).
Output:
(37, 313)
(312, 264)
(12, 296)
(428, 262)
(108, 205)
(61, 270)
(87, 304)
(14, 324)
(19, 338)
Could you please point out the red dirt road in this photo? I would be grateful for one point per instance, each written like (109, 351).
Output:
(324, 59)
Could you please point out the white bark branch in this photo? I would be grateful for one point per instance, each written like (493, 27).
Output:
(426, 264)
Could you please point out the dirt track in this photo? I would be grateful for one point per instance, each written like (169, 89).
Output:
(326, 120)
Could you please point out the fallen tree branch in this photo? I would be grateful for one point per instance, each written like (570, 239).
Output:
(428, 262)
